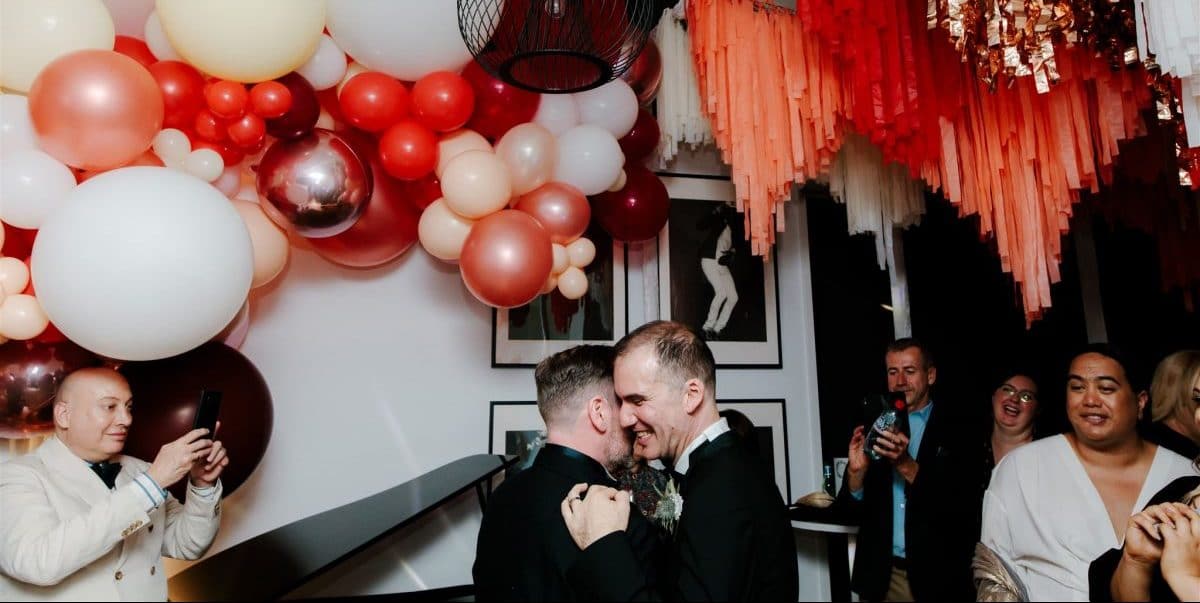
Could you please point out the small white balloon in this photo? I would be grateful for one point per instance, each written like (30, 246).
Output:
(32, 185)
(562, 260)
(172, 146)
(129, 16)
(14, 275)
(22, 317)
(156, 40)
(613, 106)
(589, 158)
(205, 164)
(581, 252)
(16, 127)
(557, 113)
(326, 67)
(572, 283)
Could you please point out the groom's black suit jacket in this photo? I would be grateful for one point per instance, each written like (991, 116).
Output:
(733, 541)
(524, 548)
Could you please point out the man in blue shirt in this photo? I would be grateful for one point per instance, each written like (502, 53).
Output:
(913, 543)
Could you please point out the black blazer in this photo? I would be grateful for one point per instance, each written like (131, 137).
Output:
(524, 548)
(733, 542)
(1100, 574)
(941, 520)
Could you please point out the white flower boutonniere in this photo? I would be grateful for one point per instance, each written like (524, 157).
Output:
(669, 508)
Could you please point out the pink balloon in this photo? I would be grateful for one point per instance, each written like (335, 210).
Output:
(506, 259)
(95, 109)
(560, 208)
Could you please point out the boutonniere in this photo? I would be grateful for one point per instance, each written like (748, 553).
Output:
(669, 508)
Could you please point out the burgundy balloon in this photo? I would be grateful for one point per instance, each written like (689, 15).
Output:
(422, 192)
(638, 211)
(560, 208)
(645, 74)
(498, 106)
(30, 373)
(506, 259)
(387, 227)
(316, 185)
(306, 109)
(166, 392)
(641, 141)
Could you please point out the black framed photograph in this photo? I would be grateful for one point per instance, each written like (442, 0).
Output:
(709, 279)
(521, 337)
(515, 428)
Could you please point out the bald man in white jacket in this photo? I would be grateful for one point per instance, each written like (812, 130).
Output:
(81, 522)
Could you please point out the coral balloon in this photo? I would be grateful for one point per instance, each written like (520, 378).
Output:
(269, 242)
(442, 232)
(174, 384)
(641, 141)
(456, 143)
(182, 89)
(408, 150)
(530, 152)
(34, 33)
(386, 229)
(316, 185)
(243, 41)
(506, 259)
(498, 106)
(31, 372)
(560, 208)
(443, 101)
(302, 116)
(374, 101)
(95, 109)
(475, 184)
(135, 49)
(645, 74)
(638, 211)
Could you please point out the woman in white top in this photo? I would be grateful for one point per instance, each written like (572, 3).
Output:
(1056, 504)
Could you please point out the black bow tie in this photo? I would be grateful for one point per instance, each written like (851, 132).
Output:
(107, 471)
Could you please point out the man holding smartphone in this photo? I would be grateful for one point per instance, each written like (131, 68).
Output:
(81, 521)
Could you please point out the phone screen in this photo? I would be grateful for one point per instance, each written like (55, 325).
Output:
(207, 410)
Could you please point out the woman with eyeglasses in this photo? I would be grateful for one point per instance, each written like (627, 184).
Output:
(1014, 409)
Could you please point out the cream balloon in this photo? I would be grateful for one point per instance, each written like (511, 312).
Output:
(205, 164)
(530, 152)
(269, 242)
(35, 32)
(129, 16)
(475, 184)
(562, 260)
(581, 252)
(172, 147)
(32, 185)
(613, 106)
(621, 181)
(572, 283)
(244, 41)
(456, 143)
(156, 40)
(16, 128)
(404, 39)
(22, 317)
(326, 67)
(14, 275)
(443, 232)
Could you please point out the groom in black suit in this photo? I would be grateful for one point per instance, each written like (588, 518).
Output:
(524, 548)
(733, 540)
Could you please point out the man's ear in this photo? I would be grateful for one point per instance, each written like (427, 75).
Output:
(62, 414)
(693, 395)
(597, 411)
(932, 375)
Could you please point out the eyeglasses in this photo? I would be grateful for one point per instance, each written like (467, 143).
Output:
(1025, 396)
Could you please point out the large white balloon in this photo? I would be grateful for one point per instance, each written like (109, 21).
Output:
(589, 159)
(613, 106)
(129, 16)
(16, 128)
(35, 32)
(32, 185)
(143, 263)
(326, 67)
(405, 39)
(557, 113)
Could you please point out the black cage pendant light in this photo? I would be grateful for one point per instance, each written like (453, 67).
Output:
(557, 46)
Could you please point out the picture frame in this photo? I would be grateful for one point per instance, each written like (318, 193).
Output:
(515, 428)
(703, 250)
(522, 337)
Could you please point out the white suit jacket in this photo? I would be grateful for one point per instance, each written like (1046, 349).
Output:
(64, 536)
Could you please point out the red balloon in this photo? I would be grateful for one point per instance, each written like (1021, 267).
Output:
(210, 127)
(170, 389)
(387, 227)
(642, 139)
(422, 192)
(408, 150)
(248, 132)
(18, 242)
(182, 89)
(134, 49)
(645, 74)
(302, 117)
(230, 154)
(443, 101)
(270, 100)
(506, 259)
(226, 99)
(374, 101)
(498, 106)
(638, 211)
(30, 372)
(560, 208)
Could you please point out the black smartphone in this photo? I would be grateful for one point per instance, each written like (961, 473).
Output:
(207, 411)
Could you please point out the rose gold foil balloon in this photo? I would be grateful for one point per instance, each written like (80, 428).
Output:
(506, 259)
(560, 208)
(30, 373)
(315, 185)
(95, 109)
(645, 74)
